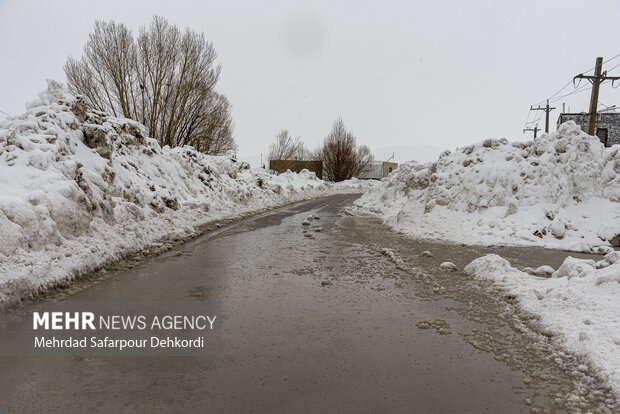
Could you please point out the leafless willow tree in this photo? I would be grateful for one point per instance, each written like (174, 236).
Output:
(165, 79)
(287, 148)
(210, 129)
(342, 158)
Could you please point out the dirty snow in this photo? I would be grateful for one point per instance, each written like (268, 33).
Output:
(81, 189)
(560, 190)
(578, 303)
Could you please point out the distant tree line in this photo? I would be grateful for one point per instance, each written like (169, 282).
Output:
(341, 156)
(165, 78)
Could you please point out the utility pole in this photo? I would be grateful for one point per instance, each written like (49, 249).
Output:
(535, 129)
(547, 109)
(596, 81)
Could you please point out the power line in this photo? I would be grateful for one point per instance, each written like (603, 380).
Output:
(607, 108)
(546, 109)
(563, 87)
(581, 89)
(571, 81)
(554, 98)
(612, 58)
(609, 70)
(534, 130)
(528, 116)
(608, 60)
(596, 80)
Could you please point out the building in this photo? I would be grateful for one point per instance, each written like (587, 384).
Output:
(378, 170)
(607, 125)
(282, 166)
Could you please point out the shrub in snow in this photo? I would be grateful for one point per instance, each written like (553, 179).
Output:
(560, 190)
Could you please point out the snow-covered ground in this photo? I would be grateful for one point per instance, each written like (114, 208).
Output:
(80, 189)
(560, 190)
(580, 303)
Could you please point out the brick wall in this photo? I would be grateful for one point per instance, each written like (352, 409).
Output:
(611, 121)
(296, 166)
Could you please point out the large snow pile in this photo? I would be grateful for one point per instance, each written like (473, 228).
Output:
(79, 189)
(560, 190)
(580, 302)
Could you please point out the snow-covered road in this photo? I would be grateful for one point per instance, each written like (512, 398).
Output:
(80, 189)
(339, 315)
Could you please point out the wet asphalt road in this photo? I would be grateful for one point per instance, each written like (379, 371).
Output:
(389, 335)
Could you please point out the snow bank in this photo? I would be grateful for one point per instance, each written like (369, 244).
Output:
(80, 189)
(578, 303)
(560, 190)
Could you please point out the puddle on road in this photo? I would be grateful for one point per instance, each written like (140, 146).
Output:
(553, 381)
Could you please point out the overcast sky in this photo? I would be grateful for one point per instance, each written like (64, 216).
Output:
(443, 73)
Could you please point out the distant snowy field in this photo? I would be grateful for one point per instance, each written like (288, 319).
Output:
(80, 189)
(558, 191)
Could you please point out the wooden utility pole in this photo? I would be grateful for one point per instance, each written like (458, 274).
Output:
(596, 80)
(547, 109)
(535, 129)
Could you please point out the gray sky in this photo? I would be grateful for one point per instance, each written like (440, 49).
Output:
(443, 73)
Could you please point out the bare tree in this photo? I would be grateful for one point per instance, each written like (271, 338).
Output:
(342, 158)
(106, 73)
(164, 79)
(287, 148)
(210, 128)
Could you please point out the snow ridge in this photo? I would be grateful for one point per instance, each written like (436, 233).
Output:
(80, 189)
(560, 190)
(579, 304)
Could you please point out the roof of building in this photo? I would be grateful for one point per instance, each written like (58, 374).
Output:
(586, 114)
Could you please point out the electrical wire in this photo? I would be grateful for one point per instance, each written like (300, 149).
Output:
(528, 118)
(581, 89)
(612, 58)
(604, 61)
(609, 70)
(571, 81)
(578, 89)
